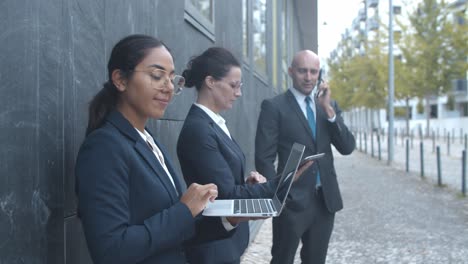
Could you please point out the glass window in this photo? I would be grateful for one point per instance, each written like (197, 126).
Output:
(285, 45)
(464, 109)
(259, 35)
(276, 59)
(245, 29)
(200, 13)
(205, 7)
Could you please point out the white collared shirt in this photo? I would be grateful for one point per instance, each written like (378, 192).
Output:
(157, 152)
(218, 119)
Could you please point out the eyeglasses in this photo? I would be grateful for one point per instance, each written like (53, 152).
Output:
(235, 85)
(161, 78)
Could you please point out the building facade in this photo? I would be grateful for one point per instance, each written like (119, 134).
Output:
(53, 60)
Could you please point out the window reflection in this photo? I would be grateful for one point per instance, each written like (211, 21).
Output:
(245, 33)
(205, 7)
(259, 35)
(285, 45)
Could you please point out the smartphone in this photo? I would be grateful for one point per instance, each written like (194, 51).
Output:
(319, 81)
(312, 157)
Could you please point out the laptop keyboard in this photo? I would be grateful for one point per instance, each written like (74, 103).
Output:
(255, 206)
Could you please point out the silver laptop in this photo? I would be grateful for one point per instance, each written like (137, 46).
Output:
(261, 207)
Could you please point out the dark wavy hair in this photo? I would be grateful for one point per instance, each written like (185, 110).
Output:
(125, 56)
(215, 62)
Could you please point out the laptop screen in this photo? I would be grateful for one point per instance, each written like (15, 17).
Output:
(287, 177)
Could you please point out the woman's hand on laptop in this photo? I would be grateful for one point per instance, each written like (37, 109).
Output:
(197, 196)
(255, 177)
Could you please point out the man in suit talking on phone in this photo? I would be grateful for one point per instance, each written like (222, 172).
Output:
(311, 118)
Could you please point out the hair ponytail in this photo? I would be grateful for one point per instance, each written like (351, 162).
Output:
(215, 62)
(101, 105)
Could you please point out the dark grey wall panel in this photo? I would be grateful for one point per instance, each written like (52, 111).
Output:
(53, 60)
(87, 72)
(31, 186)
(229, 28)
(47, 202)
(242, 119)
(184, 41)
(76, 251)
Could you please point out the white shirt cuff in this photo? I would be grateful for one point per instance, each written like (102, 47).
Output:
(332, 119)
(226, 224)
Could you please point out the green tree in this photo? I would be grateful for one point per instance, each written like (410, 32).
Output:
(370, 71)
(435, 50)
(359, 78)
(340, 75)
(405, 77)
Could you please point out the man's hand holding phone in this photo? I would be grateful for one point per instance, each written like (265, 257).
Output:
(323, 95)
(311, 157)
(306, 163)
(318, 92)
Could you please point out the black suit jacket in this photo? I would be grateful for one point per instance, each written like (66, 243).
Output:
(128, 207)
(280, 124)
(207, 155)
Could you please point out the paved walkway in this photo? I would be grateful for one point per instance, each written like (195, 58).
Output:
(390, 216)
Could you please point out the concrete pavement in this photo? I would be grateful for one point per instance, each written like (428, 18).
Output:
(390, 216)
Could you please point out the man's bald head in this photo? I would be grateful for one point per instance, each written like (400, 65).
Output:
(304, 71)
(304, 55)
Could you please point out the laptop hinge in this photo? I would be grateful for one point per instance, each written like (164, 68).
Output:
(277, 204)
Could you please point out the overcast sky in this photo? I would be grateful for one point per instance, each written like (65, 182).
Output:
(337, 15)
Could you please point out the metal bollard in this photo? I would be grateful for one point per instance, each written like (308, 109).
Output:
(439, 169)
(378, 144)
(365, 142)
(421, 147)
(360, 141)
(448, 146)
(372, 143)
(355, 134)
(465, 141)
(464, 172)
(407, 155)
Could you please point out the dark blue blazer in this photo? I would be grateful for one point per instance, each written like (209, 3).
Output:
(207, 155)
(129, 209)
(281, 123)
